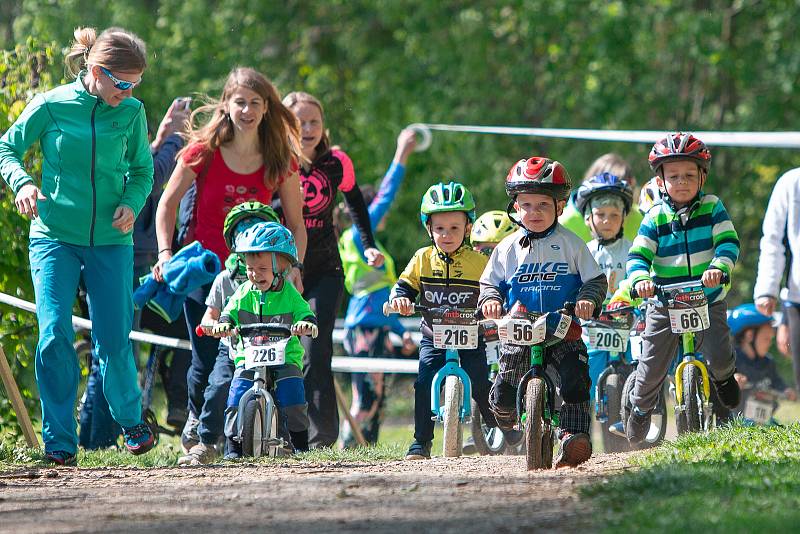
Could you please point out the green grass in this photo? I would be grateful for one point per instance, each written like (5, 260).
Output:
(735, 479)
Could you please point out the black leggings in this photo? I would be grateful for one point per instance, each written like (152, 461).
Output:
(324, 294)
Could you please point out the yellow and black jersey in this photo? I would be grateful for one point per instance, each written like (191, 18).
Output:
(447, 280)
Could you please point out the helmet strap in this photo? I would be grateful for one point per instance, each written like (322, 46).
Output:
(278, 278)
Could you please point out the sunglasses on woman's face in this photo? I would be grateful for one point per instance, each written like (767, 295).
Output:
(122, 85)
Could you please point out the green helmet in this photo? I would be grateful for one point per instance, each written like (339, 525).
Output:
(441, 198)
(241, 213)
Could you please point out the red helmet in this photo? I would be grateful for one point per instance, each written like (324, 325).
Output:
(680, 146)
(538, 175)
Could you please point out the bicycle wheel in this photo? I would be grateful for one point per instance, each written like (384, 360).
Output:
(534, 433)
(693, 399)
(453, 393)
(613, 393)
(273, 431)
(252, 428)
(488, 440)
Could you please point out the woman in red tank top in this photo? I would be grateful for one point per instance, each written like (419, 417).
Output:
(248, 149)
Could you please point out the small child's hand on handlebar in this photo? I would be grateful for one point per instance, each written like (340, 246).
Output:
(712, 277)
(305, 328)
(403, 305)
(492, 309)
(584, 309)
(645, 289)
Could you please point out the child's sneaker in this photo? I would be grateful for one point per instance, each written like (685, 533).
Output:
(189, 435)
(729, 393)
(573, 449)
(138, 439)
(62, 458)
(419, 451)
(638, 425)
(200, 454)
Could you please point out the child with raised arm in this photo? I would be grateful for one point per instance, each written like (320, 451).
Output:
(687, 236)
(541, 266)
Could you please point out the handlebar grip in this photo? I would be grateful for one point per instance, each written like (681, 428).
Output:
(199, 331)
(634, 294)
(725, 279)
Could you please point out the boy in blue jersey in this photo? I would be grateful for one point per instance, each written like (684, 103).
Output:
(688, 235)
(541, 266)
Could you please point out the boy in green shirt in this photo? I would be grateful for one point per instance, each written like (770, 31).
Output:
(269, 252)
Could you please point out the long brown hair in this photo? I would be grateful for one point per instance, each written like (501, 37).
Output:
(299, 97)
(116, 49)
(278, 132)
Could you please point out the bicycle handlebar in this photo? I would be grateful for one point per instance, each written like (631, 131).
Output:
(661, 289)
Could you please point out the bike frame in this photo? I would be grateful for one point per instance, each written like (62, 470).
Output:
(259, 391)
(537, 370)
(451, 367)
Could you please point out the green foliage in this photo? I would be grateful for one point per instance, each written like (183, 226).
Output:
(734, 479)
(23, 71)
(380, 65)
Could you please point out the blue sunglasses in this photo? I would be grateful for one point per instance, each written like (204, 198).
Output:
(122, 85)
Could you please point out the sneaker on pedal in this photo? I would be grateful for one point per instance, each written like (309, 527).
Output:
(61, 458)
(618, 429)
(573, 449)
(138, 438)
(419, 451)
(200, 454)
(729, 393)
(638, 426)
(189, 435)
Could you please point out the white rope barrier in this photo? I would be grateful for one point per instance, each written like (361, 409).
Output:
(339, 364)
(740, 139)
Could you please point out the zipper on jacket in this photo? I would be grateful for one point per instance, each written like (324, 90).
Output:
(94, 187)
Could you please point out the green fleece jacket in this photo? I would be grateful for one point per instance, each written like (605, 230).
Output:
(96, 158)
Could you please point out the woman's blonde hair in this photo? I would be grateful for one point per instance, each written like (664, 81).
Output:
(299, 97)
(278, 132)
(611, 163)
(116, 49)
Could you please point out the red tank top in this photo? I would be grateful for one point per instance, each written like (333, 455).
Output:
(219, 189)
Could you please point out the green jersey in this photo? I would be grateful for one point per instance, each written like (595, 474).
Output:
(250, 305)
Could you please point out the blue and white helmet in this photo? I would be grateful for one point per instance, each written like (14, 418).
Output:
(603, 184)
(269, 237)
(746, 316)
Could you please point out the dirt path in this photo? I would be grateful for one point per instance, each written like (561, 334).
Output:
(469, 494)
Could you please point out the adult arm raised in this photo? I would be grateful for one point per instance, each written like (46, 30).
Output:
(166, 213)
(291, 195)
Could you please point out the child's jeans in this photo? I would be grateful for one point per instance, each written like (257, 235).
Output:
(660, 345)
(567, 365)
(431, 360)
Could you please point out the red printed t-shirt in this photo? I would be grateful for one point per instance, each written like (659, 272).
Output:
(218, 191)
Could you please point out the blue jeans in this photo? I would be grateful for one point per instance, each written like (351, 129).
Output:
(108, 273)
(431, 360)
(204, 350)
(212, 416)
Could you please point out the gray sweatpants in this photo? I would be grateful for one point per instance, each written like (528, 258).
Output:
(659, 346)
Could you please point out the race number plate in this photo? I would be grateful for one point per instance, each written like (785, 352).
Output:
(456, 329)
(492, 352)
(268, 354)
(683, 320)
(758, 411)
(636, 347)
(520, 331)
(608, 339)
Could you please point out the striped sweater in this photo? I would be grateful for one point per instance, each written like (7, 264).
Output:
(679, 246)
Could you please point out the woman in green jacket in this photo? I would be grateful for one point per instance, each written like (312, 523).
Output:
(96, 174)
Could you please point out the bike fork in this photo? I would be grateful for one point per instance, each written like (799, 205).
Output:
(451, 368)
(687, 340)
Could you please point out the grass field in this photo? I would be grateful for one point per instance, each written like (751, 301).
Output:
(734, 479)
